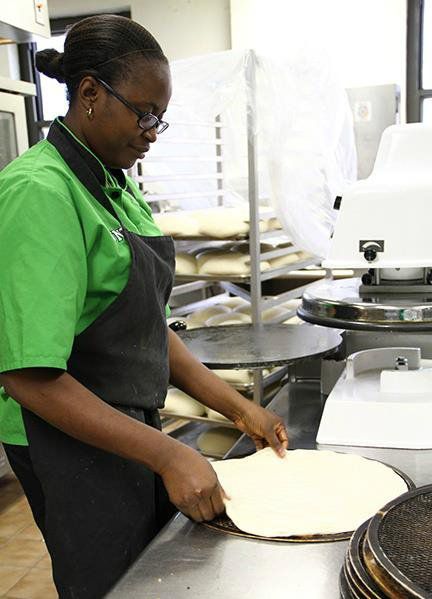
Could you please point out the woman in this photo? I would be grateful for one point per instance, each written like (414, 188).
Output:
(86, 353)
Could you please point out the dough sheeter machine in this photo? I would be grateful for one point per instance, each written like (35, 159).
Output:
(383, 398)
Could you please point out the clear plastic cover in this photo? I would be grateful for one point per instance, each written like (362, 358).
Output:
(296, 114)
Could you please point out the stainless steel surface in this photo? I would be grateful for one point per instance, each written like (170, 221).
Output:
(187, 560)
(339, 304)
(248, 346)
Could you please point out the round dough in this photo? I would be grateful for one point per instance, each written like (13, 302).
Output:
(284, 260)
(200, 317)
(226, 263)
(234, 302)
(177, 224)
(242, 377)
(228, 319)
(185, 264)
(272, 313)
(294, 320)
(307, 492)
(218, 440)
(180, 403)
(266, 315)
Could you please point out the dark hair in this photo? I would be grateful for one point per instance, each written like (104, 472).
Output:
(104, 45)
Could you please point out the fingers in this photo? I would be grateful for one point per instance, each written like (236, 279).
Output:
(282, 434)
(208, 507)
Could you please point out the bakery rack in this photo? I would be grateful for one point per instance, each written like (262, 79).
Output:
(205, 169)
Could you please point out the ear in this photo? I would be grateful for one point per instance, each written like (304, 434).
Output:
(89, 91)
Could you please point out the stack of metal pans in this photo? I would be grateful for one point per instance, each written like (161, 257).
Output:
(390, 555)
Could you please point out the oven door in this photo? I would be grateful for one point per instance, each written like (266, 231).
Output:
(13, 128)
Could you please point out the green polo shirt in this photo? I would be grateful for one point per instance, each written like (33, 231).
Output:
(62, 261)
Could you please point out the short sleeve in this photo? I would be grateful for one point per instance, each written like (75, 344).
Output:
(43, 275)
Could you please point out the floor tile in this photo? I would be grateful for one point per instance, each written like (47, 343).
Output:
(21, 553)
(44, 563)
(31, 533)
(37, 584)
(13, 521)
(9, 577)
(10, 490)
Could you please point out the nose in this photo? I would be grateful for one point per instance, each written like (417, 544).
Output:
(151, 135)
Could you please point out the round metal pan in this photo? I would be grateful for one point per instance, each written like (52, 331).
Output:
(249, 346)
(224, 524)
(344, 590)
(397, 547)
(355, 568)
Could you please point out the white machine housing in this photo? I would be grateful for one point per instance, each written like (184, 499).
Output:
(375, 405)
(390, 208)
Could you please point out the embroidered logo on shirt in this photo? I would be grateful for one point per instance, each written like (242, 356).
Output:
(118, 234)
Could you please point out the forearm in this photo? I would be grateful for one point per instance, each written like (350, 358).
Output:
(62, 401)
(192, 377)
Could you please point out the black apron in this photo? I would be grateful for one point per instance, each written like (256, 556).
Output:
(102, 510)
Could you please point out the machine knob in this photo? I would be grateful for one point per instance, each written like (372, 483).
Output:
(367, 278)
(370, 254)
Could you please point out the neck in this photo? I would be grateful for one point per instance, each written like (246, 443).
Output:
(75, 125)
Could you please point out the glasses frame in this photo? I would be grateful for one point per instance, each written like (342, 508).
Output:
(159, 125)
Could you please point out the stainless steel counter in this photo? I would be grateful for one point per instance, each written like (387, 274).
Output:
(189, 561)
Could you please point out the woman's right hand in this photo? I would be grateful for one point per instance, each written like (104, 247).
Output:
(192, 485)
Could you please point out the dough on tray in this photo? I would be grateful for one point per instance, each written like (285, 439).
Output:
(177, 224)
(220, 263)
(180, 403)
(228, 319)
(238, 377)
(233, 302)
(199, 317)
(185, 264)
(307, 492)
(284, 260)
(218, 440)
(226, 223)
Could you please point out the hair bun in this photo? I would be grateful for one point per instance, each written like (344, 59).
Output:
(50, 63)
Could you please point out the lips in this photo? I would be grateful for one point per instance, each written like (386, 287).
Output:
(140, 151)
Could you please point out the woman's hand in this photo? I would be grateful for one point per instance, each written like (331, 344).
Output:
(192, 485)
(264, 428)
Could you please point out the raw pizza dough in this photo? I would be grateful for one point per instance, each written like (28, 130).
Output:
(177, 224)
(228, 319)
(225, 263)
(307, 492)
(185, 264)
(199, 318)
(180, 403)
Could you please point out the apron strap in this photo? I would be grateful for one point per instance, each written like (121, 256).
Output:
(70, 154)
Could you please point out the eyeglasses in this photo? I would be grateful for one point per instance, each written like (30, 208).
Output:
(146, 120)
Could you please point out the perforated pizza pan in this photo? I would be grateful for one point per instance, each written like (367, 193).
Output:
(399, 543)
(355, 568)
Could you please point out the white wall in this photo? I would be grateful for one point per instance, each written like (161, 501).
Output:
(182, 27)
(366, 39)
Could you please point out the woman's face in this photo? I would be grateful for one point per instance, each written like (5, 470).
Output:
(113, 133)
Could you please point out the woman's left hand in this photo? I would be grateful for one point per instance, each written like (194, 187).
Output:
(264, 428)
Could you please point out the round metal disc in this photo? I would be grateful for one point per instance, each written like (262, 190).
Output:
(339, 304)
(397, 544)
(249, 346)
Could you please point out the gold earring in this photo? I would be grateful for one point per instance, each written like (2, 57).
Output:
(90, 112)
